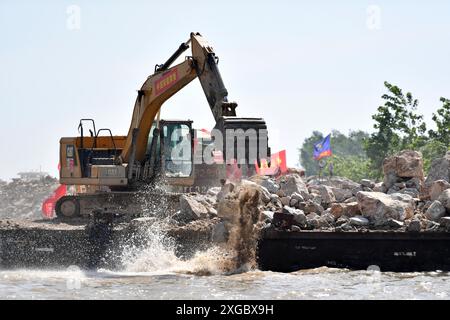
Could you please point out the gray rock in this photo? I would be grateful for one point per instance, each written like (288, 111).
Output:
(359, 221)
(410, 191)
(414, 226)
(341, 194)
(299, 218)
(191, 209)
(400, 185)
(294, 203)
(297, 196)
(342, 220)
(379, 207)
(431, 226)
(435, 211)
(325, 192)
(270, 185)
(312, 206)
(413, 183)
(285, 201)
(292, 183)
(445, 222)
(367, 183)
(379, 187)
(394, 224)
(444, 198)
(295, 228)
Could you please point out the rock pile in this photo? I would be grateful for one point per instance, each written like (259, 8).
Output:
(294, 203)
(22, 198)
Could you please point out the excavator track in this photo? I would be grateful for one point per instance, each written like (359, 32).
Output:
(121, 203)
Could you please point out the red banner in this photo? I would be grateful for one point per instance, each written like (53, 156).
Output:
(277, 166)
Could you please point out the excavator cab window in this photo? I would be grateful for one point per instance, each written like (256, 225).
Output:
(177, 149)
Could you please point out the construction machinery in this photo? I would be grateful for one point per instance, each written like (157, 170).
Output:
(108, 171)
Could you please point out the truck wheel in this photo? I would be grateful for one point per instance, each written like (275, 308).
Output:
(67, 207)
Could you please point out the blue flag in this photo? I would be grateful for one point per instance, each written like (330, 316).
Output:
(322, 148)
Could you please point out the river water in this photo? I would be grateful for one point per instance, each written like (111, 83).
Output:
(320, 283)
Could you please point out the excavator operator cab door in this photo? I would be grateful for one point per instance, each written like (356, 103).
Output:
(175, 148)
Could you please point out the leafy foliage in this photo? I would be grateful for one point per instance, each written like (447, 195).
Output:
(398, 127)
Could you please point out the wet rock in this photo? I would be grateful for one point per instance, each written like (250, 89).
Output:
(378, 207)
(414, 226)
(295, 228)
(437, 187)
(292, 183)
(190, 209)
(435, 211)
(367, 183)
(359, 221)
(219, 233)
(444, 198)
(405, 164)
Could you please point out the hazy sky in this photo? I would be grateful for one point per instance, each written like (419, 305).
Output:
(303, 66)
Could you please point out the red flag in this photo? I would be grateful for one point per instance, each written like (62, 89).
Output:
(277, 165)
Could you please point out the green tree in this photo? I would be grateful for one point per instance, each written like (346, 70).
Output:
(398, 127)
(442, 120)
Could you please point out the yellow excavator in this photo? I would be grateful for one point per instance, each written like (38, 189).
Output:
(110, 170)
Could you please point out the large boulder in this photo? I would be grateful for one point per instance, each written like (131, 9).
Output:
(401, 167)
(191, 209)
(379, 207)
(293, 183)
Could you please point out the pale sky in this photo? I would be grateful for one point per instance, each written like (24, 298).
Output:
(303, 66)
